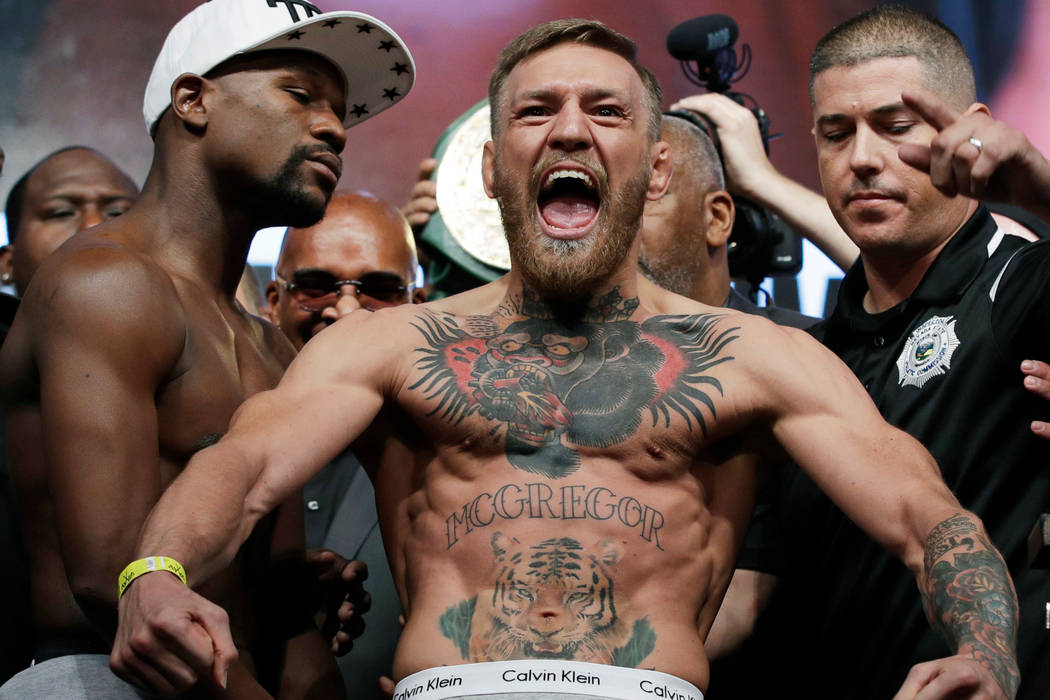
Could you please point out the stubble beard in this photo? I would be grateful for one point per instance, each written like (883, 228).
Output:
(285, 197)
(569, 270)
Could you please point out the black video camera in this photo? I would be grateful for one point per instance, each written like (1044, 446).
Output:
(761, 243)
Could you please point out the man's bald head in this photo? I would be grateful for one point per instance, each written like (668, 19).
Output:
(359, 235)
(68, 191)
(694, 153)
(684, 233)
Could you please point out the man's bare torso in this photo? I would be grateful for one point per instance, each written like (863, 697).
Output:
(213, 355)
(570, 494)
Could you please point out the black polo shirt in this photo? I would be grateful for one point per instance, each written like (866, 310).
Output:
(776, 314)
(944, 365)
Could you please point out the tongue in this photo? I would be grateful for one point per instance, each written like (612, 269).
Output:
(568, 212)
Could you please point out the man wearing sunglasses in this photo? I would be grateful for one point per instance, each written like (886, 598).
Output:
(361, 255)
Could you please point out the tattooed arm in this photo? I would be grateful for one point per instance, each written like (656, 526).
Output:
(969, 599)
(890, 486)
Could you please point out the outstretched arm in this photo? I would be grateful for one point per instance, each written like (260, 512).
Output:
(888, 484)
(277, 441)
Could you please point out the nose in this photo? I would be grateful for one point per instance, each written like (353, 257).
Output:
(90, 216)
(345, 304)
(570, 130)
(866, 157)
(328, 127)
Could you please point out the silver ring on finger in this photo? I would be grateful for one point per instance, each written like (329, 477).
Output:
(976, 143)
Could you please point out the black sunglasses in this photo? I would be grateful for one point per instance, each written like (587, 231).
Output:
(314, 290)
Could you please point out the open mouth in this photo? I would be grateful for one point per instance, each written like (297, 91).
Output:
(568, 202)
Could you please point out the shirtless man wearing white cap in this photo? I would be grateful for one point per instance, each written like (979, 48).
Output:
(129, 353)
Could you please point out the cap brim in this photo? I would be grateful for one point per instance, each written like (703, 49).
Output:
(376, 64)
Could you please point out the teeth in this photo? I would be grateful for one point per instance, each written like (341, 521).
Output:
(558, 174)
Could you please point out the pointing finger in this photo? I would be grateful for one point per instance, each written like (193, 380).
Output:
(932, 110)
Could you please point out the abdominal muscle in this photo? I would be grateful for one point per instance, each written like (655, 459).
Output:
(512, 565)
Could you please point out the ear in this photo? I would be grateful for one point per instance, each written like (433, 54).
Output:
(272, 294)
(610, 551)
(187, 100)
(977, 108)
(7, 269)
(721, 213)
(488, 166)
(501, 544)
(660, 177)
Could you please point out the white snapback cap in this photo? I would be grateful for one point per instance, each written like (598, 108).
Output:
(374, 61)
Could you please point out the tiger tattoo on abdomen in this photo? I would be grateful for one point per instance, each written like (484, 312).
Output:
(553, 600)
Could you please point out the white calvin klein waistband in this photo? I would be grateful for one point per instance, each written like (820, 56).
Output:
(537, 676)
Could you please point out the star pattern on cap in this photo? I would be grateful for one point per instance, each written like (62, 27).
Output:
(391, 94)
(400, 68)
(295, 36)
(360, 110)
(386, 46)
(364, 28)
(330, 23)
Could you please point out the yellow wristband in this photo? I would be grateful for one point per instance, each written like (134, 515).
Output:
(143, 566)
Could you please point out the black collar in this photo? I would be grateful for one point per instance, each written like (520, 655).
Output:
(950, 275)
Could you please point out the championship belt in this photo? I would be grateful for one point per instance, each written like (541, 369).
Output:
(466, 231)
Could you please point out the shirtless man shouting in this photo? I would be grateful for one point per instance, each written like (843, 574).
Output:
(564, 458)
(129, 353)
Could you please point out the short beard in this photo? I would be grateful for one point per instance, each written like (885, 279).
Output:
(569, 270)
(284, 200)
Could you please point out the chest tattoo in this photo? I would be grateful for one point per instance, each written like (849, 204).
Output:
(550, 386)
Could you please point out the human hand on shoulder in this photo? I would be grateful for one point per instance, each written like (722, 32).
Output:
(343, 597)
(1037, 381)
(747, 168)
(977, 156)
(169, 637)
(422, 202)
(960, 677)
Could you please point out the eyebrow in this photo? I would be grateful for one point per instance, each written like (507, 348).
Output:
(882, 110)
(107, 197)
(588, 94)
(311, 270)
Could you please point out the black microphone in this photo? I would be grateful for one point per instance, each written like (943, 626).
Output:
(699, 38)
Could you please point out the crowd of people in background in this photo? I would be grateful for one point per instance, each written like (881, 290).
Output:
(322, 448)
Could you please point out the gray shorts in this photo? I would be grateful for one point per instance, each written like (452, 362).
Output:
(78, 677)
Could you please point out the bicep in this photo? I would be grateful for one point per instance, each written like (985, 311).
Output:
(98, 374)
(328, 397)
(881, 477)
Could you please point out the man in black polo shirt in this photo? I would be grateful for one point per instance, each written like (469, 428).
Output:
(935, 319)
